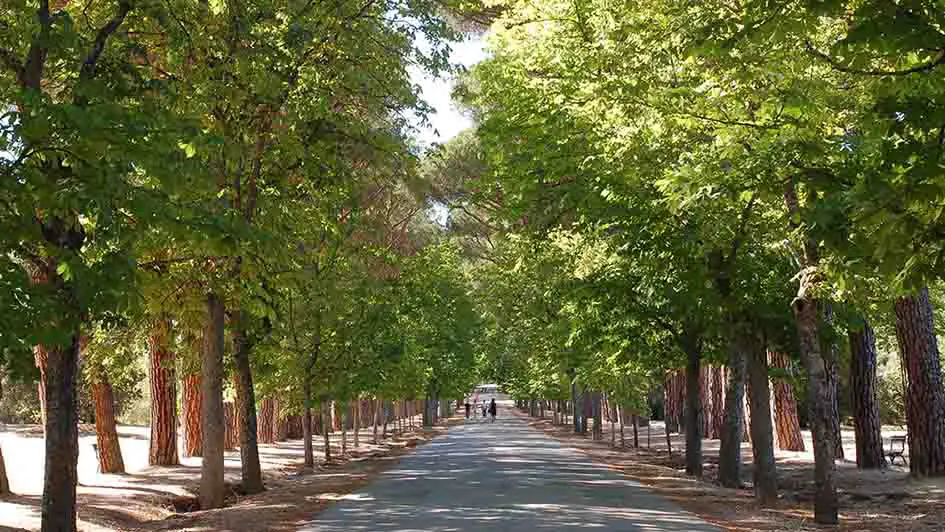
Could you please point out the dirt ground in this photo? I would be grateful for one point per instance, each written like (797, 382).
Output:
(870, 501)
(150, 498)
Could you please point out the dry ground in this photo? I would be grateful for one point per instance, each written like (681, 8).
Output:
(148, 498)
(870, 501)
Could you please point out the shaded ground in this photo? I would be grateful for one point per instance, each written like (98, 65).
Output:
(502, 476)
(145, 498)
(870, 501)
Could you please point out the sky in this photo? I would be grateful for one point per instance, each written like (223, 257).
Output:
(446, 121)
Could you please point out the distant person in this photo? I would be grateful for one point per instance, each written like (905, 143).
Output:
(468, 406)
(492, 409)
(484, 409)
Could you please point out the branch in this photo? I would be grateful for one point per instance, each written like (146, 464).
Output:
(88, 67)
(924, 67)
(743, 223)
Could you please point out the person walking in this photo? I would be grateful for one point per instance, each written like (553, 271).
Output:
(468, 406)
(492, 409)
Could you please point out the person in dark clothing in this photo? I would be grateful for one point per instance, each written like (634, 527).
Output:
(468, 406)
(492, 409)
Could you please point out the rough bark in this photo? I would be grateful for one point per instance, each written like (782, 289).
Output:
(866, 423)
(280, 427)
(163, 450)
(193, 407)
(732, 428)
(831, 362)
(250, 470)
(307, 446)
(211, 471)
(357, 423)
(576, 401)
(231, 439)
(818, 393)
(787, 424)
(40, 358)
(4, 482)
(62, 438)
(264, 433)
(925, 404)
(762, 437)
(694, 424)
(717, 414)
(106, 431)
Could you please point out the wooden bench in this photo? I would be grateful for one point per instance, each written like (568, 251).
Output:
(897, 449)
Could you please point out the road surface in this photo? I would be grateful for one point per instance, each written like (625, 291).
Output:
(502, 476)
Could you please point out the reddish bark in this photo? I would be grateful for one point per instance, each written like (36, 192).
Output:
(163, 449)
(192, 404)
(717, 412)
(106, 432)
(280, 428)
(787, 425)
(925, 404)
(264, 432)
(866, 423)
(231, 438)
(41, 360)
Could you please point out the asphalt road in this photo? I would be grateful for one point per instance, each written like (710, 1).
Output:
(502, 476)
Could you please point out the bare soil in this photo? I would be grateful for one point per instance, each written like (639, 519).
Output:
(162, 498)
(870, 500)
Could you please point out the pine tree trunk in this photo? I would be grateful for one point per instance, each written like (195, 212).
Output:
(694, 422)
(831, 357)
(163, 449)
(357, 423)
(866, 423)
(106, 431)
(326, 423)
(343, 417)
(62, 438)
(250, 470)
(787, 423)
(193, 407)
(705, 399)
(232, 437)
(307, 444)
(818, 381)
(266, 415)
(211, 471)
(925, 404)
(40, 358)
(280, 427)
(762, 437)
(576, 401)
(377, 404)
(730, 448)
(4, 481)
(718, 402)
(596, 412)
(636, 433)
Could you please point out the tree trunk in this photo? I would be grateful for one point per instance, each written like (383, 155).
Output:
(866, 423)
(40, 358)
(636, 433)
(193, 408)
(106, 432)
(4, 482)
(576, 401)
(787, 423)
(343, 417)
(717, 413)
(232, 437)
(925, 404)
(831, 357)
(762, 438)
(163, 449)
(280, 427)
(266, 416)
(818, 393)
(596, 413)
(250, 470)
(730, 448)
(211, 471)
(326, 423)
(62, 438)
(378, 406)
(307, 444)
(357, 423)
(693, 407)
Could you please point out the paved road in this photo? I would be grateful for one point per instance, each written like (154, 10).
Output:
(502, 476)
